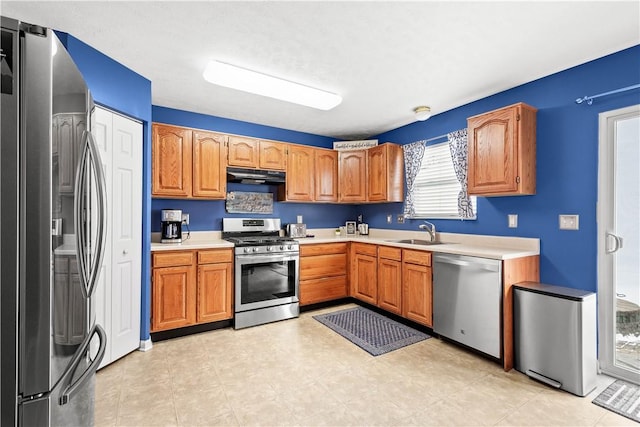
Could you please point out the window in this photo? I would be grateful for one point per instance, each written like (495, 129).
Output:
(436, 186)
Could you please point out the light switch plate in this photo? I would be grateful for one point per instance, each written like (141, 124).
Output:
(513, 220)
(389, 219)
(569, 222)
(185, 218)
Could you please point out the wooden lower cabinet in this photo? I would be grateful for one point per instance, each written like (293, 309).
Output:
(364, 278)
(191, 287)
(174, 297)
(417, 291)
(215, 286)
(390, 279)
(323, 272)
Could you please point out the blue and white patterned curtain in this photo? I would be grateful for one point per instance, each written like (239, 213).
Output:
(458, 147)
(413, 154)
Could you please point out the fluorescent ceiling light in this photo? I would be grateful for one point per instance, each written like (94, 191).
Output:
(245, 80)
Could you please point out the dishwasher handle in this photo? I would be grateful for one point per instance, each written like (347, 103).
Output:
(465, 261)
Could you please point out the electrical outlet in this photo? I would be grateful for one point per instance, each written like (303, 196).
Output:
(569, 222)
(185, 218)
(389, 219)
(513, 221)
(359, 219)
(400, 218)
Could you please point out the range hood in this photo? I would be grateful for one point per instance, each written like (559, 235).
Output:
(255, 176)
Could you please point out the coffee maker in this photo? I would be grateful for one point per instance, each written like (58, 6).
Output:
(171, 226)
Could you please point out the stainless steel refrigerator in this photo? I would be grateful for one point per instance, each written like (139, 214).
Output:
(52, 232)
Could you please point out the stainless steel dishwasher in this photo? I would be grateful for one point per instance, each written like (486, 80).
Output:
(467, 301)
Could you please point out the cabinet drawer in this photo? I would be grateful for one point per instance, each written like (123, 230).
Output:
(323, 266)
(319, 290)
(365, 249)
(416, 257)
(174, 258)
(389, 253)
(212, 256)
(323, 249)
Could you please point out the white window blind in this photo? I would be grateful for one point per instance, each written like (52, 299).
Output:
(436, 187)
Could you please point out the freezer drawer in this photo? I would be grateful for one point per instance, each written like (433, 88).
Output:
(555, 336)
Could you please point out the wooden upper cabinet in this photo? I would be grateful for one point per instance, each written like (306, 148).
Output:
(273, 155)
(326, 177)
(352, 176)
(385, 173)
(171, 161)
(300, 174)
(209, 168)
(243, 152)
(502, 152)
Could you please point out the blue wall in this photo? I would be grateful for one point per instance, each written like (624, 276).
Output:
(121, 89)
(567, 165)
(567, 138)
(207, 214)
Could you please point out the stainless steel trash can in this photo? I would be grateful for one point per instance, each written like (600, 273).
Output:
(555, 336)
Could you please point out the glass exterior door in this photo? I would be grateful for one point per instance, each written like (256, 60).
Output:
(619, 243)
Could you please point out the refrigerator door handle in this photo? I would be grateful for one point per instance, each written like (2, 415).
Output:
(102, 213)
(89, 263)
(71, 389)
(79, 217)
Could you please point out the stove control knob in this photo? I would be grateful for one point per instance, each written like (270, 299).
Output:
(289, 247)
(281, 247)
(255, 249)
(246, 250)
(269, 248)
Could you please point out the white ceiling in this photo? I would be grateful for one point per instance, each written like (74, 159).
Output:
(384, 58)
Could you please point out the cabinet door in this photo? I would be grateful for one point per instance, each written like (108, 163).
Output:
(273, 155)
(352, 172)
(385, 173)
(377, 185)
(326, 181)
(173, 298)
(365, 287)
(171, 161)
(390, 285)
(300, 174)
(209, 168)
(215, 290)
(65, 135)
(243, 152)
(417, 293)
(502, 151)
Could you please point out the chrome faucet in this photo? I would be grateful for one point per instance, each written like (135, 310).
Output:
(429, 228)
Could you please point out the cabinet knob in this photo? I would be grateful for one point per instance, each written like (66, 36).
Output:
(124, 252)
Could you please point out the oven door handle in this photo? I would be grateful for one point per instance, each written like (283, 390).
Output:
(254, 259)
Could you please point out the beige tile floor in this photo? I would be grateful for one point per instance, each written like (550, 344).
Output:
(300, 373)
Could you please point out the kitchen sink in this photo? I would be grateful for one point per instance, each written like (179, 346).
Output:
(415, 242)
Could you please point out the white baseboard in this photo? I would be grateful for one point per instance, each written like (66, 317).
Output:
(145, 345)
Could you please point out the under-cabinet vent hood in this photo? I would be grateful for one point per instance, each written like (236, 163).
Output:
(255, 176)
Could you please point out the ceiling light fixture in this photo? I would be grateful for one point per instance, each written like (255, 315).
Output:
(422, 113)
(245, 80)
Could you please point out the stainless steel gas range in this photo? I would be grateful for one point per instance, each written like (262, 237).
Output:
(266, 271)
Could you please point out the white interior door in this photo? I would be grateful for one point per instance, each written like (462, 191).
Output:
(118, 293)
(101, 130)
(619, 243)
(126, 236)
